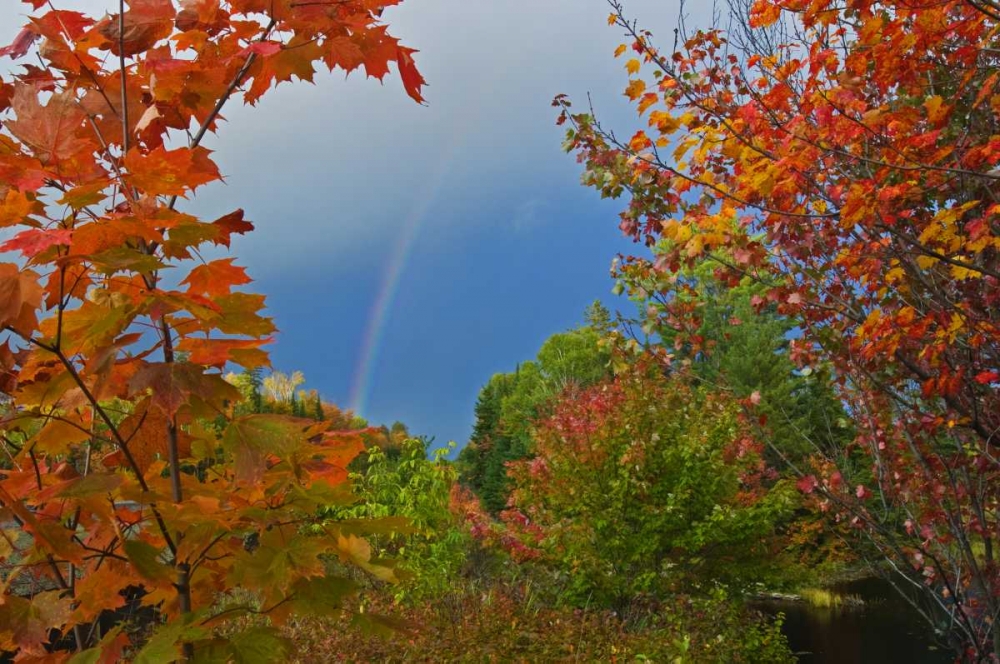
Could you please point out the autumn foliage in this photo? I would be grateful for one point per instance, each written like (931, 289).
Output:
(640, 485)
(845, 157)
(125, 479)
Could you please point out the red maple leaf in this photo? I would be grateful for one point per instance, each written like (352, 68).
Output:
(36, 240)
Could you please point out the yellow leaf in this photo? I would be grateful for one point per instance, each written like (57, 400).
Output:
(936, 109)
(956, 324)
(963, 273)
(620, 50)
(764, 13)
(632, 66)
(696, 246)
(635, 89)
(664, 122)
(683, 148)
(58, 435)
(874, 316)
(677, 232)
(763, 182)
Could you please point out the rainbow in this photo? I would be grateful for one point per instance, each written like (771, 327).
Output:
(382, 306)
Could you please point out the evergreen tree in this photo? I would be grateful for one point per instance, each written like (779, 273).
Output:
(744, 349)
(509, 404)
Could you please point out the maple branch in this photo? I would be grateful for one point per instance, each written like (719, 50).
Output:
(83, 66)
(230, 89)
(184, 568)
(655, 161)
(889, 541)
(70, 586)
(247, 609)
(122, 444)
(126, 191)
(233, 84)
(101, 554)
(923, 249)
(975, 423)
(776, 123)
(995, 15)
(34, 462)
(204, 552)
(183, 583)
(917, 165)
(124, 77)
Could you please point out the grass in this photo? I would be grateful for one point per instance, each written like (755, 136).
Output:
(826, 599)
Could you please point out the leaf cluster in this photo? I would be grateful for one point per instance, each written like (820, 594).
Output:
(127, 476)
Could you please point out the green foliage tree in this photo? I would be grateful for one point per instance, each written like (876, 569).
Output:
(645, 484)
(413, 488)
(509, 403)
(739, 343)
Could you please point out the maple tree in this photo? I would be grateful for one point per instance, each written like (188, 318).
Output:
(845, 157)
(119, 485)
(643, 485)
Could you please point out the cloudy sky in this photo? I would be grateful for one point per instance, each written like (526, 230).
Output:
(409, 252)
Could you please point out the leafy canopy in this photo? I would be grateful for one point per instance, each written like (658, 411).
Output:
(643, 484)
(844, 156)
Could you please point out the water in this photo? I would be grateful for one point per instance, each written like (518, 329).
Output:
(886, 630)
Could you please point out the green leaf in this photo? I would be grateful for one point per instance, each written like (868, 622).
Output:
(253, 437)
(382, 625)
(145, 558)
(165, 644)
(122, 259)
(239, 315)
(89, 485)
(386, 525)
(279, 562)
(27, 621)
(322, 597)
(254, 646)
(172, 384)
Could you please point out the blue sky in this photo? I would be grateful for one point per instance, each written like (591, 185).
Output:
(508, 248)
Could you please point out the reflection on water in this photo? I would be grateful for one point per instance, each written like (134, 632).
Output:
(885, 631)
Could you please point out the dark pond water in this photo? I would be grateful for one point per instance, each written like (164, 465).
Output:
(886, 630)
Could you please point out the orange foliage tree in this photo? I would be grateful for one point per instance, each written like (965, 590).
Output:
(119, 484)
(845, 156)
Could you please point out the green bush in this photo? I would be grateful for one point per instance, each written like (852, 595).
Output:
(428, 545)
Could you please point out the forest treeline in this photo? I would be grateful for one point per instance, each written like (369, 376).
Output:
(603, 507)
(599, 481)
